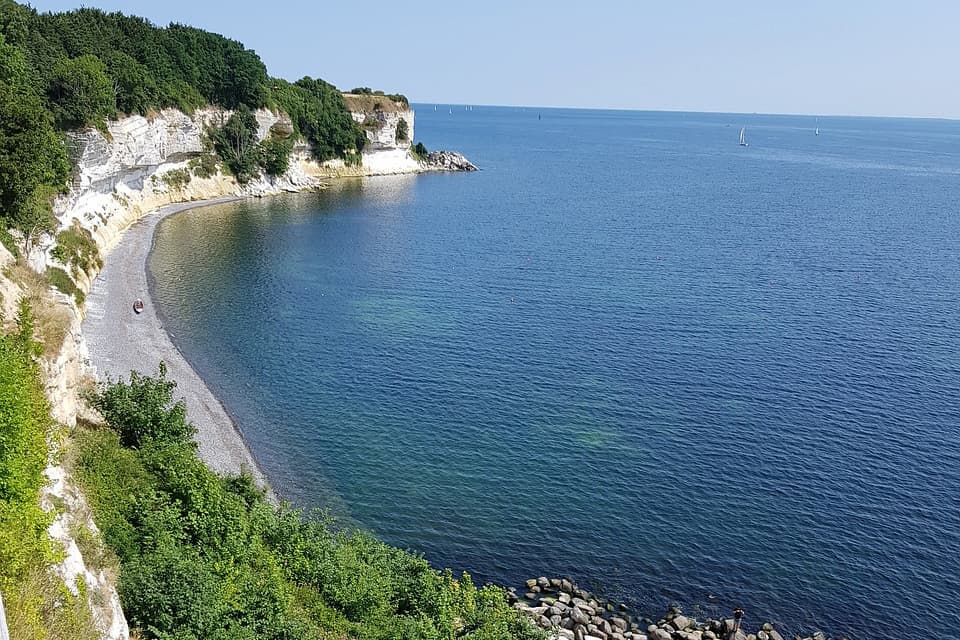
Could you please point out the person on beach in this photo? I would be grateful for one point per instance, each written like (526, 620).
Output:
(137, 306)
(737, 616)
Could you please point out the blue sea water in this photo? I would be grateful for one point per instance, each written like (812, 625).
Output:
(627, 351)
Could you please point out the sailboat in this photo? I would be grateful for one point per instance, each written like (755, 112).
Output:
(817, 132)
(743, 139)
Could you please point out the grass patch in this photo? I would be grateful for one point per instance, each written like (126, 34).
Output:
(51, 320)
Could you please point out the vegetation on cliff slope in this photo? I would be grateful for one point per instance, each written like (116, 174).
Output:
(60, 71)
(208, 557)
(38, 604)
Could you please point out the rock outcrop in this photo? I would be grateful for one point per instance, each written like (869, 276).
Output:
(448, 161)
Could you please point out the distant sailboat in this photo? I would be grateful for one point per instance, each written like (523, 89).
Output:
(743, 139)
(817, 132)
(434, 107)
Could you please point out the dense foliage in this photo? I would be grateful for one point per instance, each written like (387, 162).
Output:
(60, 71)
(367, 91)
(38, 606)
(208, 557)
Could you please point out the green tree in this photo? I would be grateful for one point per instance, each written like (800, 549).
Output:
(236, 144)
(134, 88)
(275, 155)
(33, 157)
(80, 92)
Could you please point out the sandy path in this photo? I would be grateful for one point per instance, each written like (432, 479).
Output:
(120, 341)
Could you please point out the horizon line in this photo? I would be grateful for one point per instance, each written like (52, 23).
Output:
(710, 111)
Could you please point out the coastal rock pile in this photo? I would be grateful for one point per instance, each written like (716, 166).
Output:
(448, 161)
(572, 613)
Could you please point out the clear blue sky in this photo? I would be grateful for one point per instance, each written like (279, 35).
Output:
(858, 57)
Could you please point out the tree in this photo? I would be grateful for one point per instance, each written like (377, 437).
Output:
(275, 155)
(80, 92)
(33, 157)
(134, 88)
(236, 144)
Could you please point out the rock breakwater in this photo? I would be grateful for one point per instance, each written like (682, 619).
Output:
(571, 613)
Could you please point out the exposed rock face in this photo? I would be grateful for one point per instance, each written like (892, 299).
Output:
(448, 161)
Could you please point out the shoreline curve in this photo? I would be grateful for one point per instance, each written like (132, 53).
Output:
(119, 341)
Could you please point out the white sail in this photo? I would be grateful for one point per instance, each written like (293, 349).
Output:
(743, 139)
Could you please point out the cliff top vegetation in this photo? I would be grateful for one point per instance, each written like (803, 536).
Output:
(62, 71)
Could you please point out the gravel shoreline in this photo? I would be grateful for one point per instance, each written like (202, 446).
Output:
(119, 341)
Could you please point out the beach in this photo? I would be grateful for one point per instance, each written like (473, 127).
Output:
(119, 341)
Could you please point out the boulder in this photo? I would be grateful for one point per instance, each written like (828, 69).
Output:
(566, 586)
(564, 597)
(531, 583)
(579, 616)
(619, 623)
(658, 634)
(681, 622)
(555, 583)
(772, 633)
(542, 582)
(555, 620)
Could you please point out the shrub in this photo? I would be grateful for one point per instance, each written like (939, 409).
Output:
(176, 179)
(403, 130)
(62, 281)
(419, 152)
(143, 409)
(76, 248)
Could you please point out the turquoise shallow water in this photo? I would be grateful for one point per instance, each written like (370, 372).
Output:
(628, 351)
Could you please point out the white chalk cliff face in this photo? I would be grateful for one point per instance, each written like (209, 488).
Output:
(126, 173)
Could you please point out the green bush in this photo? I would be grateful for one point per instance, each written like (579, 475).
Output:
(403, 130)
(76, 248)
(176, 179)
(208, 557)
(62, 281)
(419, 152)
(38, 605)
(143, 409)
(275, 155)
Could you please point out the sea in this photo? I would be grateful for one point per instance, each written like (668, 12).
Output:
(628, 351)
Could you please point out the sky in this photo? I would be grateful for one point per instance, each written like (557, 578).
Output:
(837, 57)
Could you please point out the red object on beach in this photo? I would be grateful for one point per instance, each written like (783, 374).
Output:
(137, 305)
